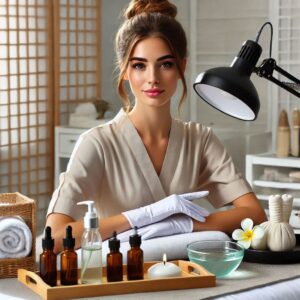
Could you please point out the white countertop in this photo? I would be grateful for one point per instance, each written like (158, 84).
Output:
(258, 281)
(283, 287)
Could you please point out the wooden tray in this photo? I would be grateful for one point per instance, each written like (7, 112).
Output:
(193, 276)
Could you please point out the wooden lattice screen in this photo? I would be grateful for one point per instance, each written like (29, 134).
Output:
(77, 55)
(49, 61)
(26, 121)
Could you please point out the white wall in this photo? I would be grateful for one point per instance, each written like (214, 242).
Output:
(111, 11)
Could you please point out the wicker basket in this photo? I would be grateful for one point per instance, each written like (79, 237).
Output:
(25, 208)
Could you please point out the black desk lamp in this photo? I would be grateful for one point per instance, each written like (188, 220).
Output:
(230, 90)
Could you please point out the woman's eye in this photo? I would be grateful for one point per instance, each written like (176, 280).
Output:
(167, 65)
(138, 66)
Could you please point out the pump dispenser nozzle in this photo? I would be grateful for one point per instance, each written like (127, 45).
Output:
(90, 218)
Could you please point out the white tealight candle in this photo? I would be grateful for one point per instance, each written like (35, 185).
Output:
(163, 270)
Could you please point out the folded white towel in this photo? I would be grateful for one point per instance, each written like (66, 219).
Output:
(15, 238)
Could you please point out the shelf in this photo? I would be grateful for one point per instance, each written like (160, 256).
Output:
(65, 140)
(268, 159)
(266, 198)
(277, 185)
(264, 188)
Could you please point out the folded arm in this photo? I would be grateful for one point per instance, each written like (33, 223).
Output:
(246, 206)
(160, 210)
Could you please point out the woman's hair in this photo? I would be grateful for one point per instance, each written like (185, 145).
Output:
(149, 18)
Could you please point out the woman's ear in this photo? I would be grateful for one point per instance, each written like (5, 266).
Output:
(125, 77)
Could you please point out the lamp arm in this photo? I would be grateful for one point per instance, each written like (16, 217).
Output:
(266, 69)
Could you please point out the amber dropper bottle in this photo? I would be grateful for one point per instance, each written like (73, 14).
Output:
(48, 270)
(135, 258)
(68, 260)
(114, 260)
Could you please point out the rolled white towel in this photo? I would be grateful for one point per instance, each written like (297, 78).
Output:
(15, 238)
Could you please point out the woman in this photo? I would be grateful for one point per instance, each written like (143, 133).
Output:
(131, 165)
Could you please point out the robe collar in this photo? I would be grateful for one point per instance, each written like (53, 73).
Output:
(158, 184)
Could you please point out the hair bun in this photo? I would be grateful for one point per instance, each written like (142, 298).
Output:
(137, 7)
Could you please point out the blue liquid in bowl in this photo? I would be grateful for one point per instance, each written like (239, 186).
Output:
(218, 257)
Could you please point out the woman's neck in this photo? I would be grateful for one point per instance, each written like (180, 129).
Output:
(152, 124)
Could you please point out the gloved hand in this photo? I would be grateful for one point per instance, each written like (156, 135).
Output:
(173, 204)
(172, 225)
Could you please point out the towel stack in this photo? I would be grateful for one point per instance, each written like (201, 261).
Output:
(15, 238)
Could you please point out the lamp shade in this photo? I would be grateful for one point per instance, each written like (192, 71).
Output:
(229, 89)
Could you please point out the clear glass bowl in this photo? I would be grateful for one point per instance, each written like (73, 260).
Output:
(218, 257)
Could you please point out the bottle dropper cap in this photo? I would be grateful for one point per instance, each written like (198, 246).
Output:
(69, 241)
(114, 243)
(135, 240)
(48, 241)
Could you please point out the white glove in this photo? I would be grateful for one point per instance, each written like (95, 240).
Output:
(174, 204)
(170, 226)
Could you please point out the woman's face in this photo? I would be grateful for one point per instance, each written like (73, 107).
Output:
(152, 72)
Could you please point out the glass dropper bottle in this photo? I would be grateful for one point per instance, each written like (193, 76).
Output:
(135, 258)
(68, 260)
(48, 268)
(114, 260)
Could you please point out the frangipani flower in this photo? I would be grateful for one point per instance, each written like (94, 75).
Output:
(248, 233)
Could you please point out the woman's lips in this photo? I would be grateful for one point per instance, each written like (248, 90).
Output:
(153, 92)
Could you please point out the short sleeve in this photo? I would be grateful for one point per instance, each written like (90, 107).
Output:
(218, 173)
(81, 181)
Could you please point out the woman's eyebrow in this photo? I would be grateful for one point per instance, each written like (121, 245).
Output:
(145, 60)
(165, 57)
(138, 58)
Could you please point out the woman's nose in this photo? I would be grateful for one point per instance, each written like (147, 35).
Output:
(153, 77)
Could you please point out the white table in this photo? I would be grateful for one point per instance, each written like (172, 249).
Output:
(247, 277)
(287, 289)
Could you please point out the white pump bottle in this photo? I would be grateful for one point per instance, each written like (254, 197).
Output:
(91, 246)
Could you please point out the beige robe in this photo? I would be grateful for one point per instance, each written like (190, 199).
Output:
(111, 166)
